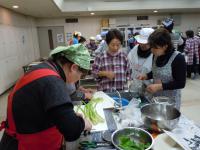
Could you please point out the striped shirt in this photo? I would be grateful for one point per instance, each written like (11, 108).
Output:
(118, 64)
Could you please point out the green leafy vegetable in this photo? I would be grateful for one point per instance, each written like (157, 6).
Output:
(90, 112)
(126, 143)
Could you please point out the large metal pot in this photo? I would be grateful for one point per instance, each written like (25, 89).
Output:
(137, 134)
(160, 116)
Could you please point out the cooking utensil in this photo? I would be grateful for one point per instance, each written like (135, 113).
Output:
(160, 116)
(92, 144)
(137, 134)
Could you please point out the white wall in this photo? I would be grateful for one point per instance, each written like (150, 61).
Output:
(90, 26)
(190, 21)
(183, 22)
(132, 20)
(18, 46)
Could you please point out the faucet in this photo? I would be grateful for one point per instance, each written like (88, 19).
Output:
(117, 105)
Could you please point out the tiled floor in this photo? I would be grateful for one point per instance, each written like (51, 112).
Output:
(190, 101)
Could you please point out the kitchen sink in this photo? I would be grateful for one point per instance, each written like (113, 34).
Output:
(129, 96)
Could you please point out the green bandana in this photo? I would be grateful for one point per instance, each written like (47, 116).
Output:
(76, 53)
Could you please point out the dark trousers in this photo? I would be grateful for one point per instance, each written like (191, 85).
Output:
(199, 68)
(192, 68)
(199, 64)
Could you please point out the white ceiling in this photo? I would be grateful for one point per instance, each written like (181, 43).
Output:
(72, 8)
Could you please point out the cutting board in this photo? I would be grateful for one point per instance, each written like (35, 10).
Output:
(107, 102)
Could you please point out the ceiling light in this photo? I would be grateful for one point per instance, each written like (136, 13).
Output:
(92, 13)
(117, 0)
(15, 6)
(155, 11)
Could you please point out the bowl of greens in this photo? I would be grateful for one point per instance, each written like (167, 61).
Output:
(131, 138)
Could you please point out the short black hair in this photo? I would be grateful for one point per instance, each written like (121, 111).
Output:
(75, 35)
(161, 37)
(61, 58)
(189, 33)
(82, 39)
(114, 34)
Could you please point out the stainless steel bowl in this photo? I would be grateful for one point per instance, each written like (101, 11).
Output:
(163, 100)
(160, 116)
(137, 134)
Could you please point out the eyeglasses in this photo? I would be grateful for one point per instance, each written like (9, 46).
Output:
(83, 71)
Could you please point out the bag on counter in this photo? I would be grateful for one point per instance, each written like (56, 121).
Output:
(131, 115)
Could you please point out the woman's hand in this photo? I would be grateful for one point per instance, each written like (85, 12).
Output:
(88, 95)
(142, 77)
(79, 115)
(153, 88)
(109, 74)
(88, 92)
(88, 125)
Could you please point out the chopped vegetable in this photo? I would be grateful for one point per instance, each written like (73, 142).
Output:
(90, 112)
(126, 143)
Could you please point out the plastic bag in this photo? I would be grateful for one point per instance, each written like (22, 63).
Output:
(131, 114)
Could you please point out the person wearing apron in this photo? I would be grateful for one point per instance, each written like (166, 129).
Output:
(40, 111)
(140, 58)
(168, 70)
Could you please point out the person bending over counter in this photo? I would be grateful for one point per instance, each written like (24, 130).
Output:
(168, 70)
(40, 111)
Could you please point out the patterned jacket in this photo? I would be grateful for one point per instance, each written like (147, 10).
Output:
(191, 49)
(118, 64)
